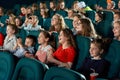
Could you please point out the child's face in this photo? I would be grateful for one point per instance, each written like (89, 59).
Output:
(116, 30)
(17, 22)
(28, 42)
(75, 20)
(94, 50)
(41, 38)
(62, 38)
(54, 20)
(9, 31)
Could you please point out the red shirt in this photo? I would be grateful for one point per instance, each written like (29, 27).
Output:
(1, 39)
(65, 55)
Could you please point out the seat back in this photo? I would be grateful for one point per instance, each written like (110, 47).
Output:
(114, 57)
(69, 23)
(104, 29)
(102, 3)
(29, 69)
(108, 15)
(62, 13)
(91, 15)
(46, 23)
(7, 65)
(83, 45)
(57, 73)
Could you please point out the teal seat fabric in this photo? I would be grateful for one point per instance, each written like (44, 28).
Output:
(102, 3)
(91, 3)
(46, 23)
(83, 45)
(113, 56)
(16, 9)
(56, 39)
(69, 24)
(91, 15)
(62, 13)
(7, 65)
(33, 32)
(109, 15)
(29, 69)
(104, 29)
(58, 73)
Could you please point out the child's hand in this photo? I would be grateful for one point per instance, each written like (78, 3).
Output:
(62, 65)
(19, 42)
(1, 24)
(27, 54)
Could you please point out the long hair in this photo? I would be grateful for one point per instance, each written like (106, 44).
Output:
(51, 38)
(61, 23)
(88, 28)
(69, 34)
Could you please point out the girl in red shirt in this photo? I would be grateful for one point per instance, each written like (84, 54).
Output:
(65, 54)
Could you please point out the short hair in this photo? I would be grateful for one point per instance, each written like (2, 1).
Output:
(33, 38)
(14, 27)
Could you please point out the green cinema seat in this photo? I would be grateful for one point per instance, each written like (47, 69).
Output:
(59, 73)
(69, 22)
(7, 65)
(113, 56)
(83, 45)
(29, 69)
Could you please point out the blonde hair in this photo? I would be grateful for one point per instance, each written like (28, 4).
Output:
(61, 23)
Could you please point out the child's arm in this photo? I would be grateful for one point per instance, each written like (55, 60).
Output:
(19, 42)
(59, 63)
(15, 47)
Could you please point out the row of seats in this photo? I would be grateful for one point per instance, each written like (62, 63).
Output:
(82, 52)
(31, 69)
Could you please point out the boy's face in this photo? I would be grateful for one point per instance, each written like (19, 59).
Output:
(29, 42)
(94, 50)
(116, 30)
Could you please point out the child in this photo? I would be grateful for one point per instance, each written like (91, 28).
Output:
(45, 48)
(20, 50)
(96, 63)
(31, 23)
(116, 29)
(65, 54)
(10, 39)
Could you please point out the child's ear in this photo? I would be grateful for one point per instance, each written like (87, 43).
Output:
(101, 51)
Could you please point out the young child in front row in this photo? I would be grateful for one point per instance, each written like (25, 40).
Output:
(10, 39)
(96, 63)
(21, 50)
(46, 47)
